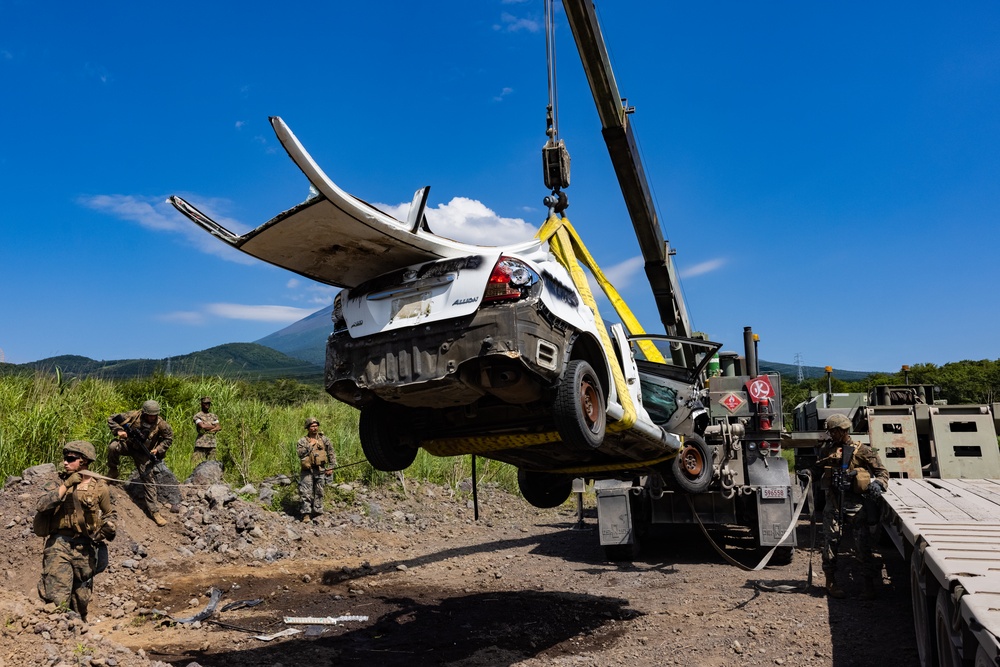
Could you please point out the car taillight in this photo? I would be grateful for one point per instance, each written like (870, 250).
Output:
(510, 280)
(338, 312)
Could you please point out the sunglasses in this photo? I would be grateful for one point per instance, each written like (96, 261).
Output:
(69, 458)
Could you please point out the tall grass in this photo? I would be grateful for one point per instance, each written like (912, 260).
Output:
(261, 422)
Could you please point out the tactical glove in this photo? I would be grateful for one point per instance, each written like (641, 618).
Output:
(109, 530)
(875, 489)
(72, 480)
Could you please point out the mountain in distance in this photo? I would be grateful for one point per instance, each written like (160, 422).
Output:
(306, 339)
(791, 372)
(243, 360)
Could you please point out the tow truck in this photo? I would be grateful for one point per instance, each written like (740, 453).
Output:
(502, 352)
(749, 482)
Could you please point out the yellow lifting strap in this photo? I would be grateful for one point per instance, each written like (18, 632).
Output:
(634, 465)
(570, 251)
(486, 443)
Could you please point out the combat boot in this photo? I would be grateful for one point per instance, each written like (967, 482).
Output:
(868, 593)
(832, 589)
(160, 521)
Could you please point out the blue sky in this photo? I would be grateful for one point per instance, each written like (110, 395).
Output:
(827, 172)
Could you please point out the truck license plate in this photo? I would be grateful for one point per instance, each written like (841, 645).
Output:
(774, 492)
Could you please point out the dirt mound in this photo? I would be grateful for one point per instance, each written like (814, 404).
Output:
(416, 580)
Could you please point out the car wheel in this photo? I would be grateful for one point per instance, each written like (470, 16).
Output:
(692, 467)
(544, 489)
(380, 429)
(580, 410)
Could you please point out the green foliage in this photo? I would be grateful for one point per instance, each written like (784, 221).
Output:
(261, 423)
(960, 382)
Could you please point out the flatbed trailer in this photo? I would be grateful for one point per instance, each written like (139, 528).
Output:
(949, 532)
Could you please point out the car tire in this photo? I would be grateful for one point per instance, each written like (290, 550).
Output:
(544, 489)
(580, 409)
(691, 470)
(379, 429)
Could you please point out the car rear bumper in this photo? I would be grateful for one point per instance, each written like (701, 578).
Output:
(512, 351)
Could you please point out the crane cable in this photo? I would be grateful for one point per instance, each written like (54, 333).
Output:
(552, 116)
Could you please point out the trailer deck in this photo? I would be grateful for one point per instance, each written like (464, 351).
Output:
(949, 529)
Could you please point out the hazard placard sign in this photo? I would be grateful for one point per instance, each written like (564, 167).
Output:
(760, 389)
(732, 402)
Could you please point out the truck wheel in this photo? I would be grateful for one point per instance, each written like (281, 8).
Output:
(544, 489)
(947, 656)
(692, 467)
(580, 411)
(380, 429)
(922, 612)
(783, 556)
(621, 553)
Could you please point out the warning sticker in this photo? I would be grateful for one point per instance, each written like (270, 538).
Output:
(732, 402)
(760, 389)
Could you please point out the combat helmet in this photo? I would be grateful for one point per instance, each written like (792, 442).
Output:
(151, 407)
(310, 421)
(81, 447)
(838, 421)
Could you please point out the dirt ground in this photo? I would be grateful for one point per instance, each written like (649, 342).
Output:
(520, 586)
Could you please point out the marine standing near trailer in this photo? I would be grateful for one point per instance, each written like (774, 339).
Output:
(146, 437)
(852, 475)
(75, 518)
(318, 459)
(207, 424)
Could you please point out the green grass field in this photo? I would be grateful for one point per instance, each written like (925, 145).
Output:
(261, 422)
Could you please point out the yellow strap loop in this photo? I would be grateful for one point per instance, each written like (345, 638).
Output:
(570, 251)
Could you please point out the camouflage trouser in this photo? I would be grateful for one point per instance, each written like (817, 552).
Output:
(311, 484)
(68, 572)
(855, 529)
(201, 454)
(143, 464)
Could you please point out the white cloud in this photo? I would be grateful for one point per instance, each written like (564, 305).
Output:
(469, 221)
(503, 93)
(98, 72)
(312, 293)
(511, 23)
(240, 124)
(702, 268)
(621, 275)
(157, 215)
(238, 311)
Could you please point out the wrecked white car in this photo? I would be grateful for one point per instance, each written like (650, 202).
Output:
(493, 351)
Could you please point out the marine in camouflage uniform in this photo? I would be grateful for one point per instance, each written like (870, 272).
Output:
(317, 458)
(207, 425)
(76, 516)
(146, 437)
(869, 479)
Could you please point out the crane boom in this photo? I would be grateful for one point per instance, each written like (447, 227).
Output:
(627, 163)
